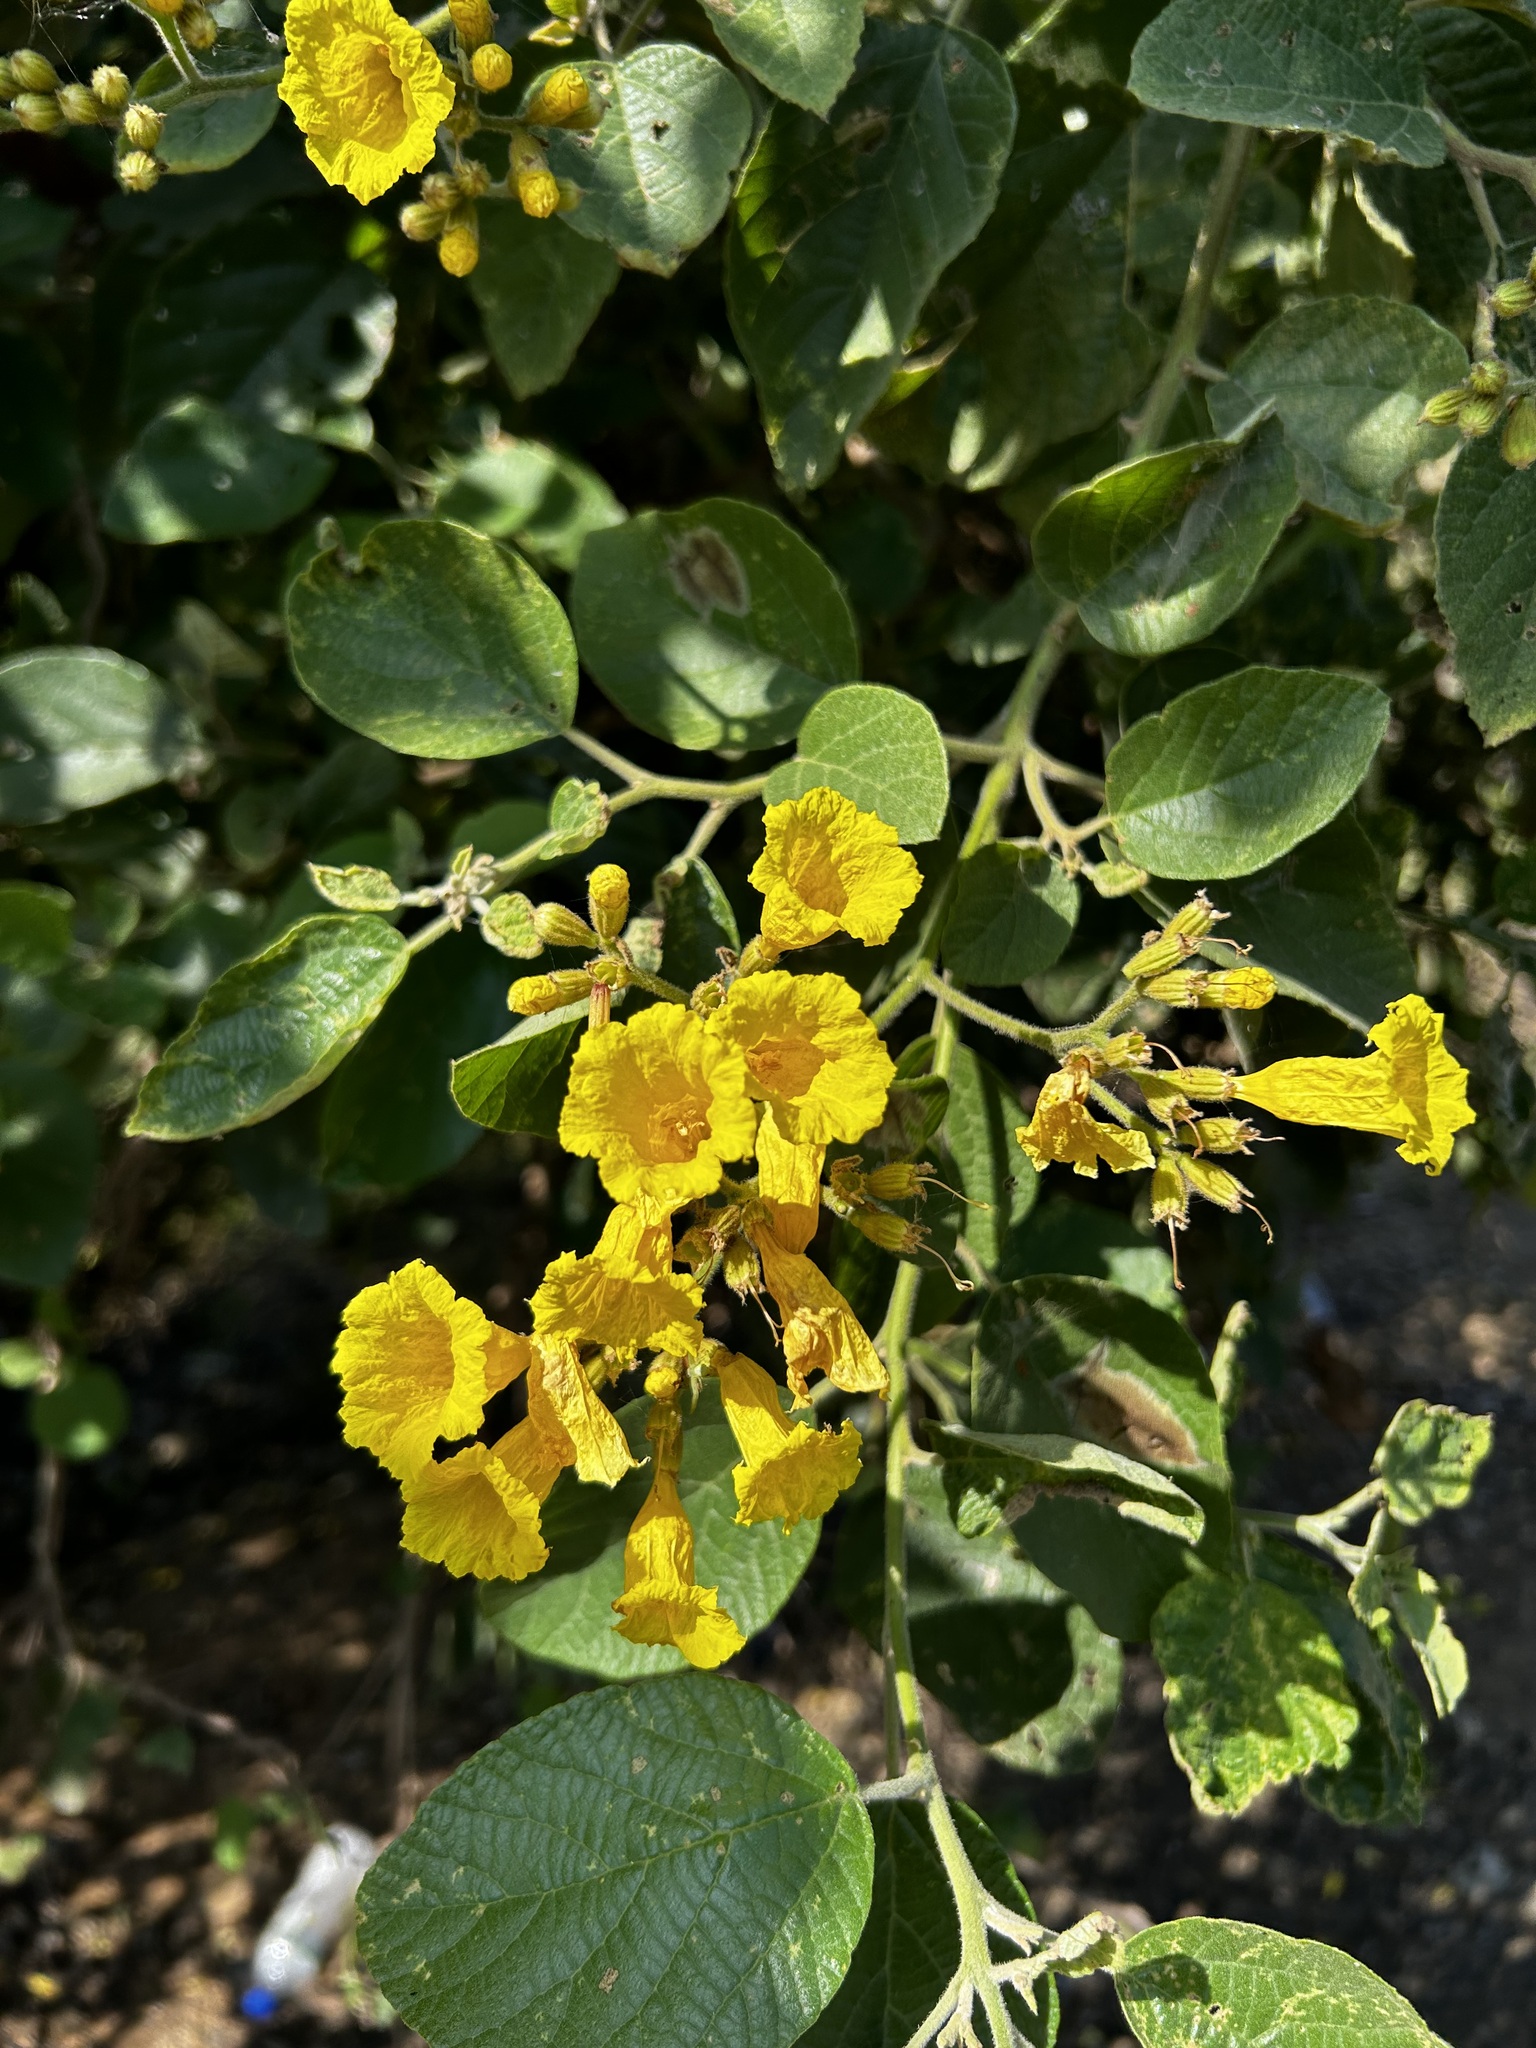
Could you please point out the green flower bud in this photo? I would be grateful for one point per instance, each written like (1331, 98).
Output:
(1480, 415)
(1518, 446)
(142, 125)
(79, 105)
(557, 926)
(38, 112)
(199, 28)
(1488, 378)
(137, 171)
(33, 72)
(9, 84)
(1516, 295)
(1444, 408)
(419, 223)
(111, 88)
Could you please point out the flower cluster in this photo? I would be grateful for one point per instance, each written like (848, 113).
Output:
(716, 1108)
(43, 105)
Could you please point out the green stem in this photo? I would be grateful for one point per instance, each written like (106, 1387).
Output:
(983, 1013)
(1038, 674)
(1475, 156)
(632, 30)
(432, 23)
(907, 989)
(1043, 22)
(170, 34)
(1204, 269)
(905, 1735)
(201, 88)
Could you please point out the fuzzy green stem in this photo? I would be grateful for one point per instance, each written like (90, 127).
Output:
(905, 1735)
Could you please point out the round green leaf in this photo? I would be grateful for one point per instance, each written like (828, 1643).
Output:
(1156, 553)
(882, 749)
(34, 927)
(48, 1152)
(1235, 773)
(214, 132)
(1197, 1983)
(83, 1416)
(199, 472)
(681, 1861)
(802, 50)
(712, 627)
(1014, 911)
(565, 1615)
(1485, 545)
(539, 288)
(1347, 67)
(1348, 379)
(272, 1028)
(656, 176)
(80, 726)
(542, 500)
(434, 640)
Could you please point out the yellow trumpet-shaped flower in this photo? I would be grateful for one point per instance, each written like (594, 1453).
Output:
(1410, 1088)
(660, 1103)
(367, 89)
(821, 1332)
(789, 1182)
(660, 1602)
(577, 1429)
(478, 1512)
(625, 1295)
(416, 1363)
(1062, 1131)
(811, 1053)
(791, 1470)
(830, 867)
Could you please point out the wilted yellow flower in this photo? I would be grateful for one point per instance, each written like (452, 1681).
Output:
(367, 89)
(660, 1602)
(660, 1103)
(576, 1427)
(811, 1053)
(478, 1512)
(416, 1363)
(1410, 1088)
(791, 1470)
(789, 1182)
(821, 1332)
(625, 1295)
(1063, 1131)
(829, 867)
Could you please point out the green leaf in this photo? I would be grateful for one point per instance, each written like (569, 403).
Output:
(989, 1632)
(1013, 913)
(1347, 379)
(263, 320)
(1158, 552)
(355, 888)
(508, 926)
(1068, 1736)
(544, 501)
(434, 640)
(697, 921)
(1429, 1457)
(578, 818)
(35, 927)
(201, 472)
(1486, 584)
(83, 1416)
(1261, 1988)
(1233, 774)
(1064, 1236)
(988, 634)
(272, 1028)
(994, 1478)
(1320, 921)
(840, 230)
(565, 1613)
(1346, 67)
(643, 1864)
(802, 50)
(1414, 1599)
(1256, 1691)
(910, 1947)
(217, 131)
(539, 288)
(80, 726)
(716, 626)
(881, 749)
(518, 1084)
(656, 176)
(389, 1119)
(994, 1175)
(48, 1153)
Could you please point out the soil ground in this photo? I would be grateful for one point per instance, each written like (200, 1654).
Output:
(236, 1555)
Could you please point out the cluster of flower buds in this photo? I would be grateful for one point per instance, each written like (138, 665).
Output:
(445, 214)
(1484, 397)
(600, 934)
(43, 104)
(484, 63)
(1159, 969)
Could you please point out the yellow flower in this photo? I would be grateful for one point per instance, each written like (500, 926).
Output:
(1410, 1088)
(821, 1332)
(577, 1429)
(660, 1602)
(478, 1512)
(789, 1182)
(367, 89)
(660, 1103)
(1062, 1130)
(416, 1363)
(791, 1469)
(830, 867)
(625, 1295)
(811, 1053)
